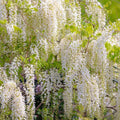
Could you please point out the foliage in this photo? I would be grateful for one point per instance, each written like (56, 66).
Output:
(59, 60)
(113, 9)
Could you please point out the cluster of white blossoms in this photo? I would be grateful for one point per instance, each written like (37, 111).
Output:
(95, 9)
(30, 91)
(14, 66)
(12, 97)
(95, 101)
(3, 75)
(22, 26)
(7, 92)
(2, 10)
(49, 82)
(44, 28)
(19, 111)
(12, 21)
(52, 18)
(10, 93)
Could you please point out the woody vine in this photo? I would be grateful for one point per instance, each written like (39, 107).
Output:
(59, 60)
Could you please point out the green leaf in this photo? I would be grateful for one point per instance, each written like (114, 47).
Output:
(66, 1)
(1, 82)
(89, 29)
(3, 21)
(50, 58)
(17, 29)
(84, 43)
(113, 52)
(35, 9)
(108, 46)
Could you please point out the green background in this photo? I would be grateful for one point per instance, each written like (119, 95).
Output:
(114, 9)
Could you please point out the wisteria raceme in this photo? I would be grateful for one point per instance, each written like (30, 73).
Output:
(22, 25)
(10, 93)
(52, 16)
(83, 81)
(44, 81)
(49, 82)
(66, 56)
(3, 75)
(67, 96)
(14, 69)
(12, 21)
(95, 96)
(3, 14)
(95, 9)
(30, 91)
(73, 13)
(76, 65)
(19, 111)
(67, 47)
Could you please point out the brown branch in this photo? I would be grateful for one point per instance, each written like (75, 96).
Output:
(111, 100)
(8, 13)
(38, 93)
(112, 107)
(87, 45)
(38, 107)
